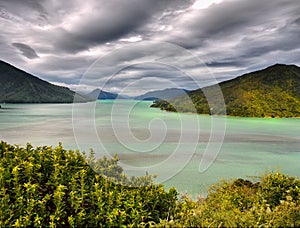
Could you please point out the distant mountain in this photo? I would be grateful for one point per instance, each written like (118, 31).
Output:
(161, 94)
(99, 94)
(271, 92)
(17, 86)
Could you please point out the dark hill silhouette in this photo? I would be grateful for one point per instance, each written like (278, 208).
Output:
(18, 86)
(99, 94)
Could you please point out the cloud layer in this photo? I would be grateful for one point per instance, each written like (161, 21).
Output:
(26, 50)
(59, 40)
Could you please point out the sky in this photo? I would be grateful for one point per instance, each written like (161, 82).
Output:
(133, 46)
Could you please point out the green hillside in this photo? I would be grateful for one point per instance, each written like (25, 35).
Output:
(17, 86)
(271, 92)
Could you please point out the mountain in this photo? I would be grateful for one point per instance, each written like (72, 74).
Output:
(99, 94)
(18, 86)
(271, 92)
(161, 94)
(152, 95)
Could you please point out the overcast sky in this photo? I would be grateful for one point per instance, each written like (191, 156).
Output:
(59, 41)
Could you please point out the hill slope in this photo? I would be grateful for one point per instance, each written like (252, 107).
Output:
(271, 92)
(18, 86)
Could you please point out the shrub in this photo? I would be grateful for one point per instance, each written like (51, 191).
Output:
(274, 201)
(53, 187)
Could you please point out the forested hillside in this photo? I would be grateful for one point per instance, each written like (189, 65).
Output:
(272, 92)
(18, 86)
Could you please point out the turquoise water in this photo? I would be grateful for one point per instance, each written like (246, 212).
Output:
(169, 144)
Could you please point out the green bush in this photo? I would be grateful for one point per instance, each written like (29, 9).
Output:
(52, 187)
(273, 201)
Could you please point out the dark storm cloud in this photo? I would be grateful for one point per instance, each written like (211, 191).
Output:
(225, 63)
(26, 50)
(110, 20)
(259, 26)
(231, 37)
(17, 5)
(297, 21)
(31, 11)
(231, 19)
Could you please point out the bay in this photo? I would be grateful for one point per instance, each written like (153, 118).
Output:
(150, 140)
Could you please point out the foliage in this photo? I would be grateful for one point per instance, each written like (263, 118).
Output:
(52, 187)
(274, 201)
(111, 169)
(272, 92)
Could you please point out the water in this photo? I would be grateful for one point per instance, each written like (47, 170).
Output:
(147, 139)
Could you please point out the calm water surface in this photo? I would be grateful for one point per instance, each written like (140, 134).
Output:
(251, 145)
